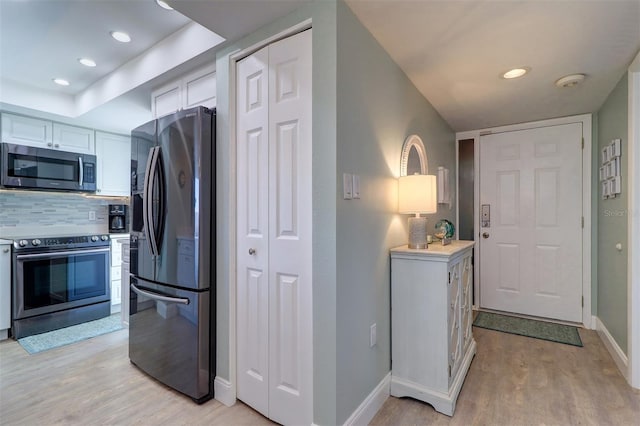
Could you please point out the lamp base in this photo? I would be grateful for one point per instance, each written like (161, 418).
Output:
(418, 233)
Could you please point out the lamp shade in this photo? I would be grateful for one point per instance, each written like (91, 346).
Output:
(417, 194)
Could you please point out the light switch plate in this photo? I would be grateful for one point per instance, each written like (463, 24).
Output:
(347, 186)
(356, 186)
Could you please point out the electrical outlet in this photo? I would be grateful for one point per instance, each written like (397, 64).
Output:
(92, 215)
(347, 186)
(373, 335)
(356, 187)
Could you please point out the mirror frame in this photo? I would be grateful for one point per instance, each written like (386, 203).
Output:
(413, 141)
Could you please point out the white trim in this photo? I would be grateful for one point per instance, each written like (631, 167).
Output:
(371, 404)
(224, 392)
(585, 119)
(594, 322)
(616, 353)
(633, 217)
(234, 57)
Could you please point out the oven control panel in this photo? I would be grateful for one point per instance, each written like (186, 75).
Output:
(62, 242)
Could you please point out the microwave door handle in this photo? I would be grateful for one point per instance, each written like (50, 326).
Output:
(81, 174)
(145, 199)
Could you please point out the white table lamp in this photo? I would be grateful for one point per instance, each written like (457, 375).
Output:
(417, 194)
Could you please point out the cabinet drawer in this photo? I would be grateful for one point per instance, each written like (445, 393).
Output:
(116, 273)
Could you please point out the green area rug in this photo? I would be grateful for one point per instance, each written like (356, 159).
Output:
(75, 333)
(530, 328)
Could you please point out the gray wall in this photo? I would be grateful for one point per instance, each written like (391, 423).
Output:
(377, 108)
(612, 221)
(323, 14)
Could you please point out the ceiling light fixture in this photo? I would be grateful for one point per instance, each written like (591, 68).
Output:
(570, 80)
(87, 62)
(61, 81)
(516, 72)
(122, 37)
(163, 5)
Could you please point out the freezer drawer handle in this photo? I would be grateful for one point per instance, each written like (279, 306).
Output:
(154, 296)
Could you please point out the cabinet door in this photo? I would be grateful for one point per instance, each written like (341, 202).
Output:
(166, 99)
(114, 164)
(467, 301)
(199, 88)
(73, 139)
(5, 286)
(455, 350)
(27, 131)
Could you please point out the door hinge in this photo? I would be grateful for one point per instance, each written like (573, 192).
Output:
(582, 143)
(583, 221)
(583, 301)
(449, 277)
(449, 371)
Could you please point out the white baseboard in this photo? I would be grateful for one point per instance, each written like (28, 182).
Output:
(594, 323)
(371, 404)
(617, 354)
(223, 391)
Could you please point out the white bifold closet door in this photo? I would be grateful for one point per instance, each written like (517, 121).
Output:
(274, 227)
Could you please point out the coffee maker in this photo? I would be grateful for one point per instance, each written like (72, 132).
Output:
(117, 218)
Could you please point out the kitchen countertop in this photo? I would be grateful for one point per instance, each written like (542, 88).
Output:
(5, 241)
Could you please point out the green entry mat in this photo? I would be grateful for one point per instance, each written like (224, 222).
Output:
(530, 328)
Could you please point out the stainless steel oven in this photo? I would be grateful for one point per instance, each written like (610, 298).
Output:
(59, 282)
(50, 169)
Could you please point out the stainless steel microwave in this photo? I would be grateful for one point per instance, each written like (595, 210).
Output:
(39, 168)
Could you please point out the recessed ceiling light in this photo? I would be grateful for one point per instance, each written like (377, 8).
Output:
(570, 80)
(164, 5)
(61, 81)
(87, 62)
(121, 36)
(515, 73)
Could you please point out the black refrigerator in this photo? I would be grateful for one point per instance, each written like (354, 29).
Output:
(172, 251)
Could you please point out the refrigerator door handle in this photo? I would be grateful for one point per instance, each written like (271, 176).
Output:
(159, 297)
(158, 228)
(149, 185)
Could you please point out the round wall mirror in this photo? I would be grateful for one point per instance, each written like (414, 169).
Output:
(414, 157)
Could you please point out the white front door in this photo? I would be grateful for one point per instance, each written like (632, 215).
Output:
(274, 218)
(531, 249)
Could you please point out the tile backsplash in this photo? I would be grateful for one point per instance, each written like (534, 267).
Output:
(21, 211)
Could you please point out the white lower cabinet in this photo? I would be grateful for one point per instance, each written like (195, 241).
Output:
(5, 288)
(432, 340)
(116, 270)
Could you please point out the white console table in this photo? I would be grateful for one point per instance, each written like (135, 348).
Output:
(432, 342)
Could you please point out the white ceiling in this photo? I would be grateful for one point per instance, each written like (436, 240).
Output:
(455, 51)
(43, 39)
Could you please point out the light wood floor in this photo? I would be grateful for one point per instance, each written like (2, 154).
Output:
(513, 380)
(93, 383)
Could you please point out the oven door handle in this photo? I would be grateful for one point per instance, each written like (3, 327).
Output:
(50, 254)
(159, 297)
(81, 174)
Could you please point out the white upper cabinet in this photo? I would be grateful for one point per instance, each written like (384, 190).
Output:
(114, 164)
(199, 88)
(196, 88)
(73, 139)
(27, 131)
(41, 133)
(166, 99)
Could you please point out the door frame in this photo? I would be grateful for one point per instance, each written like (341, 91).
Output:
(230, 389)
(586, 121)
(633, 218)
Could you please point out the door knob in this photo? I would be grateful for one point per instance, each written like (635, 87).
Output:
(5, 250)
(252, 251)
(485, 235)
